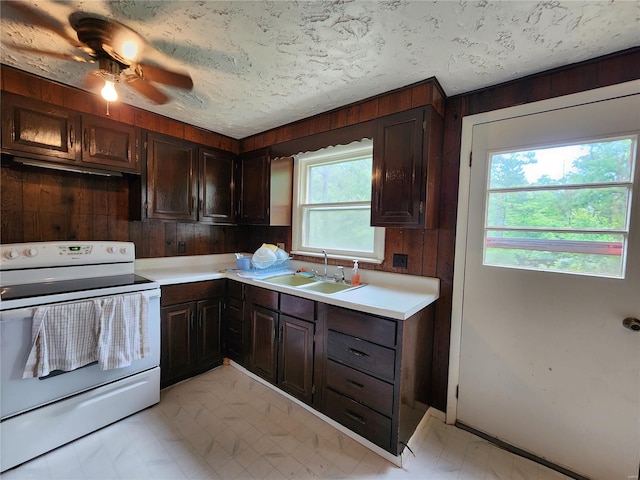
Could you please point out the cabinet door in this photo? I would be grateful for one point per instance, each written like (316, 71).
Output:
(105, 142)
(171, 178)
(398, 170)
(235, 330)
(177, 356)
(295, 357)
(209, 350)
(262, 358)
(216, 189)
(37, 128)
(254, 188)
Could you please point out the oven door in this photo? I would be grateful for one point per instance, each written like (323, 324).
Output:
(19, 395)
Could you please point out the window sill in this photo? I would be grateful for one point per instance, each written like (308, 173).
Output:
(348, 258)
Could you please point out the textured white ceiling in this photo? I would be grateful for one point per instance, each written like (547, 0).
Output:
(258, 65)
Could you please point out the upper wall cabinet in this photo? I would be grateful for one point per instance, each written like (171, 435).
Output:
(172, 182)
(185, 182)
(36, 130)
(253, 180)
(406, 169)
(109, 143)
(217, 203)
(265, 188)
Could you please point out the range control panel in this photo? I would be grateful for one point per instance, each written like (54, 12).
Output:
(59, 254)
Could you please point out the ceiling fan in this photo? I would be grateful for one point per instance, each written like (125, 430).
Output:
(115, 48)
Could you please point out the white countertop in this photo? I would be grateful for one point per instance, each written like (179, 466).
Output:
(387, 294)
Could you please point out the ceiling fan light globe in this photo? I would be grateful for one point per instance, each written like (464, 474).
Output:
(130, 50)
(109, 92)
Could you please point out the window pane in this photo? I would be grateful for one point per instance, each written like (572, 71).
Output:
(348, 181)
(340, 229)
(582, 208)
(597, 162)
(591, 254)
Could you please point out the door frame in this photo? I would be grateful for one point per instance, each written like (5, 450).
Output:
(468, 122)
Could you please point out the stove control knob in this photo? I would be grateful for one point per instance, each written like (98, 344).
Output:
(111, 249)
(31, 252)
(12, 254)
(124, 250)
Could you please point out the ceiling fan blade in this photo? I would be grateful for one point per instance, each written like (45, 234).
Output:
(50, 53)
(41, 19)
(164, 76)
(145, 88)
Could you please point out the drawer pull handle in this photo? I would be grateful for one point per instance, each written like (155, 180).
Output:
(354, 416)
(358, 353)
(355, 384)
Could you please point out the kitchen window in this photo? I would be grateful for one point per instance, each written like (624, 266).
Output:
(561, 208)
(332, 204)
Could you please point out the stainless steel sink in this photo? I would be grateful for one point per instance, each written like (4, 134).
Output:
(301, 282)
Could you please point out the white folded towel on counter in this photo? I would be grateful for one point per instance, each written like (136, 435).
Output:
(112, 330)
(123, 330)
(63, 338)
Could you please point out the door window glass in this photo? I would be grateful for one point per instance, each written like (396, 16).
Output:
(561, 208)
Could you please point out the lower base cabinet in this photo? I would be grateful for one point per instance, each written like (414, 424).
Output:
(191, 329)
(371, 374)
(282, 347)
(377, 373)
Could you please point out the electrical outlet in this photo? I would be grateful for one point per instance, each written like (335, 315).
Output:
(280, 245)
(400, 260)
(181, 247)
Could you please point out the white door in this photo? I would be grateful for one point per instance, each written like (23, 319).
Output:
(546, 364)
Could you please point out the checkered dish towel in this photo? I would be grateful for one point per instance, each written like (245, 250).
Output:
(63, 337)
(123, 329)
(112, 330)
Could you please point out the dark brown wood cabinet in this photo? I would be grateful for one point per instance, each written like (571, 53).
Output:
(172, 182)
(187, 182)
(406, 168)
(109, 143)
(253, 183)
(236, 333)
(376, 380)
(36, 130)
(282, 346)
(216, 186)
(191, 329)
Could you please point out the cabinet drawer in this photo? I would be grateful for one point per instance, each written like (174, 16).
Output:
(358, 418)
(364, 356)
(361, 325)
(298, 307)
(263, 297)
(361, 387)
(187, 292)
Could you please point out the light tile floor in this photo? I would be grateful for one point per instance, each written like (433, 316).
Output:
(226, 425)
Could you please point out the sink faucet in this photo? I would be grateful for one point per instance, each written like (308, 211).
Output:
(324, 252)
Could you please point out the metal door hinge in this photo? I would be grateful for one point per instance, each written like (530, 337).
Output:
(457, 390)
(424, 125)
(470, 159)
(145, 144)
(421, 207)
